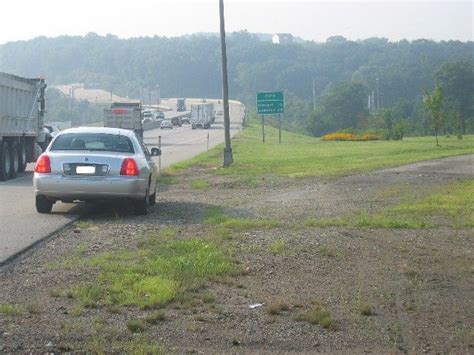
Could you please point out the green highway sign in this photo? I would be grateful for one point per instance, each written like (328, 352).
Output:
(269, 103)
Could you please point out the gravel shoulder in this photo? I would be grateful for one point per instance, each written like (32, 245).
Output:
(385, 290)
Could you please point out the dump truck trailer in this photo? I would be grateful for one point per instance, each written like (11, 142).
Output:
(22, 109)
(126, 115)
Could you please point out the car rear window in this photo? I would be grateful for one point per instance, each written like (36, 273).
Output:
(93, 141)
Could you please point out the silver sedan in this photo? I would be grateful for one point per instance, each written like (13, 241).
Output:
(88, 163)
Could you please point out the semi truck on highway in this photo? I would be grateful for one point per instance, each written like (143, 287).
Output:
(180, 105)
(202, 115)
(126, 115)
(22, 108)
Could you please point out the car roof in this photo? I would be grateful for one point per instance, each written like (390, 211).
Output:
(106, 130)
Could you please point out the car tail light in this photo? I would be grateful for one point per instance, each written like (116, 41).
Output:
(129, 167)
(43, 164)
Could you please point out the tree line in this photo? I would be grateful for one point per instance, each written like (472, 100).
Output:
(367, 84)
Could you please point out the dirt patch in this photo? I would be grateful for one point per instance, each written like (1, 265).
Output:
(320, 289)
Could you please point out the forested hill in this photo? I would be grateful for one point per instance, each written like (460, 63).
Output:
(190, 66)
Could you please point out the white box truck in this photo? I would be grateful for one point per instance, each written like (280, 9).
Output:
(202, 115)
(22, 108)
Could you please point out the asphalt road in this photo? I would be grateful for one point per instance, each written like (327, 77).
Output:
(21, 226)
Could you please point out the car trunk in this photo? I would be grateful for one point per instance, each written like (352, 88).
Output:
(87, 163)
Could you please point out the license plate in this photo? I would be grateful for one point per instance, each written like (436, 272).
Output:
(85, 170)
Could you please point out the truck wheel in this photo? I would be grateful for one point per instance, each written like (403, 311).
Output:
(5, 163)
(43, 205)
(141, 207)
(15, 159)
(22, 157)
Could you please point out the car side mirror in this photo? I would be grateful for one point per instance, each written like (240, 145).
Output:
(155, 152)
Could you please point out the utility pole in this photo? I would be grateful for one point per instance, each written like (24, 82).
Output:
(378, 94)
(314, 96)
(228, 158)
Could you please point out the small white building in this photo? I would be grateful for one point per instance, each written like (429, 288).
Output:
(282, 38)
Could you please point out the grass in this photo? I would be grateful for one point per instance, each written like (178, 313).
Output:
(155, 317)
(328, 252)
(365, 309)
(136, 325)
(447, 205)
(77, 311)
(318, 316)
(11, 309)
(167, 179)
(216, 216)
(277, 247)
(453, 202)
(208, 297)
(302, 156)
(33, 308)
(277, 307)
(83, 224)
(199, 184)
(159, 271)
(138, 345)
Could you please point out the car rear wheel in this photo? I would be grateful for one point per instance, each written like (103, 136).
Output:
(43, 204)
(141, 207)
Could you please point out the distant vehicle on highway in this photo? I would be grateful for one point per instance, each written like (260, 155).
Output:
(158, 115)
(96, 163)
(125, 115)
(186, 119)
(166, 124)
(202, 115)
(146, 114)
(176, 121)
(180, 105)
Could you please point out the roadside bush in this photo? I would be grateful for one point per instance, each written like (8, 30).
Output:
(339, 136)
(342, 136)
(368, 137)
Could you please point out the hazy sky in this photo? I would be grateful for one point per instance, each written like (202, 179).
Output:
(311, 20)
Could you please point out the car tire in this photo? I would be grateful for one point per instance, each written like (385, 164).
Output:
(5, 163)
(43, 204)
(14, 159)
(141, 207)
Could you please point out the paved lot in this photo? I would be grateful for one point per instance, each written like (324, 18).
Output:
(21, 226)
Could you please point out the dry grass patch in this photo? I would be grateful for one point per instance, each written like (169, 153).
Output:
(318, 316)
(277, 307)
